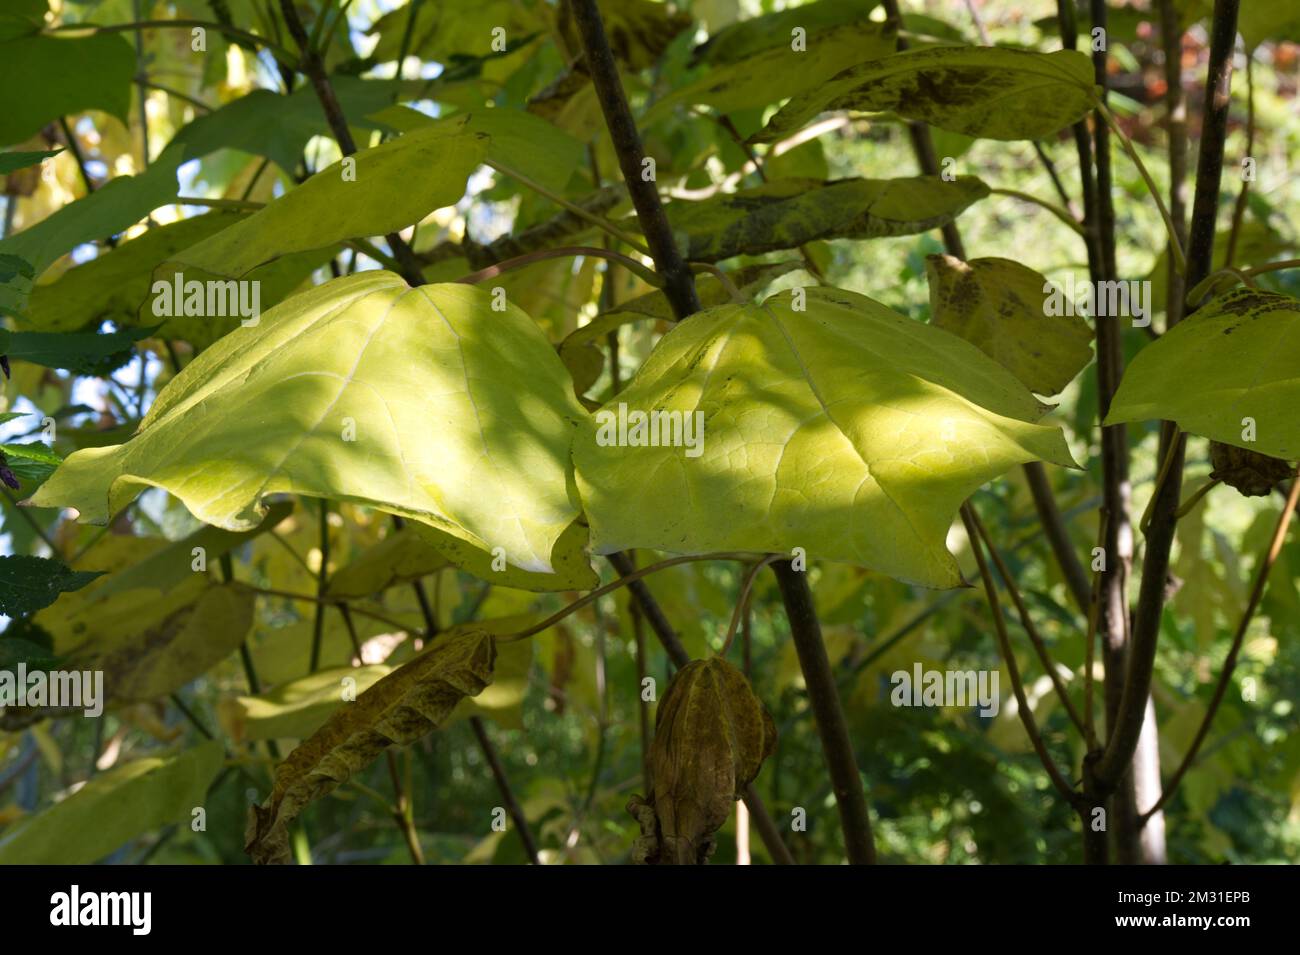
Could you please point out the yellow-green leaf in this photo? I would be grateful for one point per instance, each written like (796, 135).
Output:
(1230, 372)
(354, 197)
(843, 428)
(114, 808)
(991, 92)
(362, 389)
(999, 306)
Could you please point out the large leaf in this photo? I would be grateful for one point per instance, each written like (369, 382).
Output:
(1000, 306)
(13, 161)
(43, 78)
(110, 209)
(28, 584)
(114, 808)
(845, 429)
(1236, 358)
(990, 92)
(431, 164)
(399, 709)
(362, 389)
(777, 72)
(787, 213)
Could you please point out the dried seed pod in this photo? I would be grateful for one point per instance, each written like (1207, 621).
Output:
(711, 738)
(1251, 473)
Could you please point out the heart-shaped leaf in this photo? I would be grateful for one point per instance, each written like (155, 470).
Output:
(422, 402)
(843, 428)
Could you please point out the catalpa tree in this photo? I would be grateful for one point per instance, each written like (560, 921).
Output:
(596, 430)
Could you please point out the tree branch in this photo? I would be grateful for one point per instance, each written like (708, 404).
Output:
(320, 81)
(679, 283)
(1155, 566)
(507, 794)
(837, 746)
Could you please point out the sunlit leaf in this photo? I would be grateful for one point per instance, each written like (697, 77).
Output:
(843, 428)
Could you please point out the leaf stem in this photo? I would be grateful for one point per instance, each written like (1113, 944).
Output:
(1055, 210)
(1175, 246)
(598, 221)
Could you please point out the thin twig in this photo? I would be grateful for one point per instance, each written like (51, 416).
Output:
(1013, 670)
(1266, 562)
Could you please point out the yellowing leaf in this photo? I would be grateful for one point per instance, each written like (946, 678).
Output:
(999, 306)
(345, 201)
(991, 92)
(421, 402)
(788, 213)
(844, 428)
(1229, 370)
(399, 709)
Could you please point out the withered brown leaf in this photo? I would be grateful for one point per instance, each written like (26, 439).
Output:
(399, 709)
(711, 737)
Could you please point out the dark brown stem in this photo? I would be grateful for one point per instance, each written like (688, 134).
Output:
(322, 579)
(507, 794)
(837, 745)
(1171, 40)
(679, 283)
(320, 81)
(1058, 535)
(654, 614)
(1155, 566)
